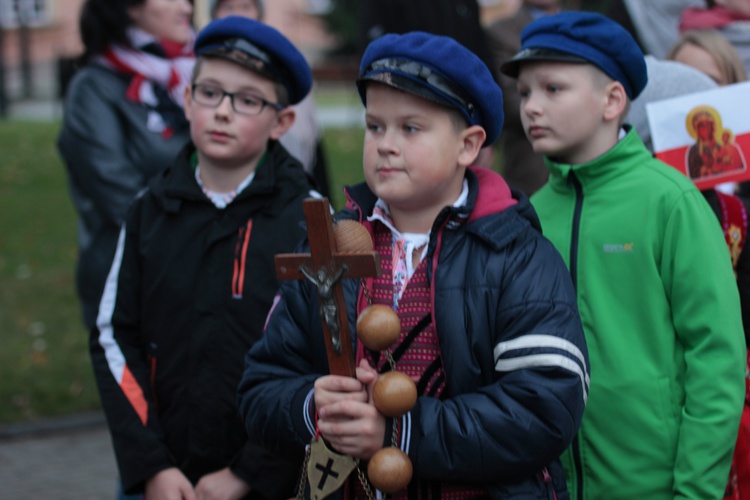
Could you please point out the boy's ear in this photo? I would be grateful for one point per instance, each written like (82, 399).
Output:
(616, 101)
(188, 101)
(284, 121)
(472, 139)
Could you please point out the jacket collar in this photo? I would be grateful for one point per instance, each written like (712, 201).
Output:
(617, 161)
(178, 185)
(494, 196)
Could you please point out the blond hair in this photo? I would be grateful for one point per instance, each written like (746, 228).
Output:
(719, 49)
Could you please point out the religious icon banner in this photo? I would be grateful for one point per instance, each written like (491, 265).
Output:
(705, 135)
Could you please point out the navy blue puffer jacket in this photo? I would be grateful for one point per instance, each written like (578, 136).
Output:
(510, 337)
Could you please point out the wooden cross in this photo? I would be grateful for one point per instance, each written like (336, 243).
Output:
(325, 267)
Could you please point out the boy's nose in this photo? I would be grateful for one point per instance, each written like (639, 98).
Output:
(386, 144)
(530, 105)
(225, 106)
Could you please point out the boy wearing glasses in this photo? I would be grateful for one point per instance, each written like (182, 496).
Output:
(193, 276)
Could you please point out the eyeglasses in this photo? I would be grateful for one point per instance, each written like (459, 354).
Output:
(242, 102)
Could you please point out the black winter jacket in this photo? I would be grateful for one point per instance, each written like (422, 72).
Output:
(511, 341)
(187, 295)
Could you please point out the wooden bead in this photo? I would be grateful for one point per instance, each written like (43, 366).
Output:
(351, 237)
(394, 394)
(390, 470)
(378, 327)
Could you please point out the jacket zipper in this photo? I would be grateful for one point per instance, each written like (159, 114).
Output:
(240, 260)
(576, 228)
(575, 234)
(152, 378)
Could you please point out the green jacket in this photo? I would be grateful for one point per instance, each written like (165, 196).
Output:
(661, 314)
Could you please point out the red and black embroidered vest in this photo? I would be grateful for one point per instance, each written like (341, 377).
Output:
(417, 353)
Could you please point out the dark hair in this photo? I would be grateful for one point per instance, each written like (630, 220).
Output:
(104, 22)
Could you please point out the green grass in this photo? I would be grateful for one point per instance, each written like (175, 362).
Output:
(45, 369)
(44, 364)
(343, 149)
(336, 94)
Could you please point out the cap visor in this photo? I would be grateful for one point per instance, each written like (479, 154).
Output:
(513, 66)
(404, 84)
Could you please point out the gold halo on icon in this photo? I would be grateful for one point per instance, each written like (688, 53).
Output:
(729, 133)
(703, 112)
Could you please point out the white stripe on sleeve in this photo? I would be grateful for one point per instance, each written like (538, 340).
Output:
(115, 357)
(545, 343)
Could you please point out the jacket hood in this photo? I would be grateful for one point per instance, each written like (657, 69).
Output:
(497, 214)
(493, 195)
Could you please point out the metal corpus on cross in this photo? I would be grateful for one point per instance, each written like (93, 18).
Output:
(325, 266)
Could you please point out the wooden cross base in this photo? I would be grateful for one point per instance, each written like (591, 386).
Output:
(325, 267)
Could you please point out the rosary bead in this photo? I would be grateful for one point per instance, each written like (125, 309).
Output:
(378, 327)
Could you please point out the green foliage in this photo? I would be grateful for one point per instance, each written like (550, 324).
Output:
(343, 149)
(44, 363)
(343, 20)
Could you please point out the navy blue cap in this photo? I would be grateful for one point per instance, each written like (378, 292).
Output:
(439, 69)
(583, 37)
(260, 48)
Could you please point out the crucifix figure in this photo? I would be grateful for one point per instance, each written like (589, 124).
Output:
(328, 306)
(325, 266)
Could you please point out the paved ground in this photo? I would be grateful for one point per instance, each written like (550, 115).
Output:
(66, 459)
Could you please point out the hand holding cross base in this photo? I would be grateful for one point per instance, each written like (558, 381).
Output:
(325, 266)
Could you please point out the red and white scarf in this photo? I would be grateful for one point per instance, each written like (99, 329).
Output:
(172, 73)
